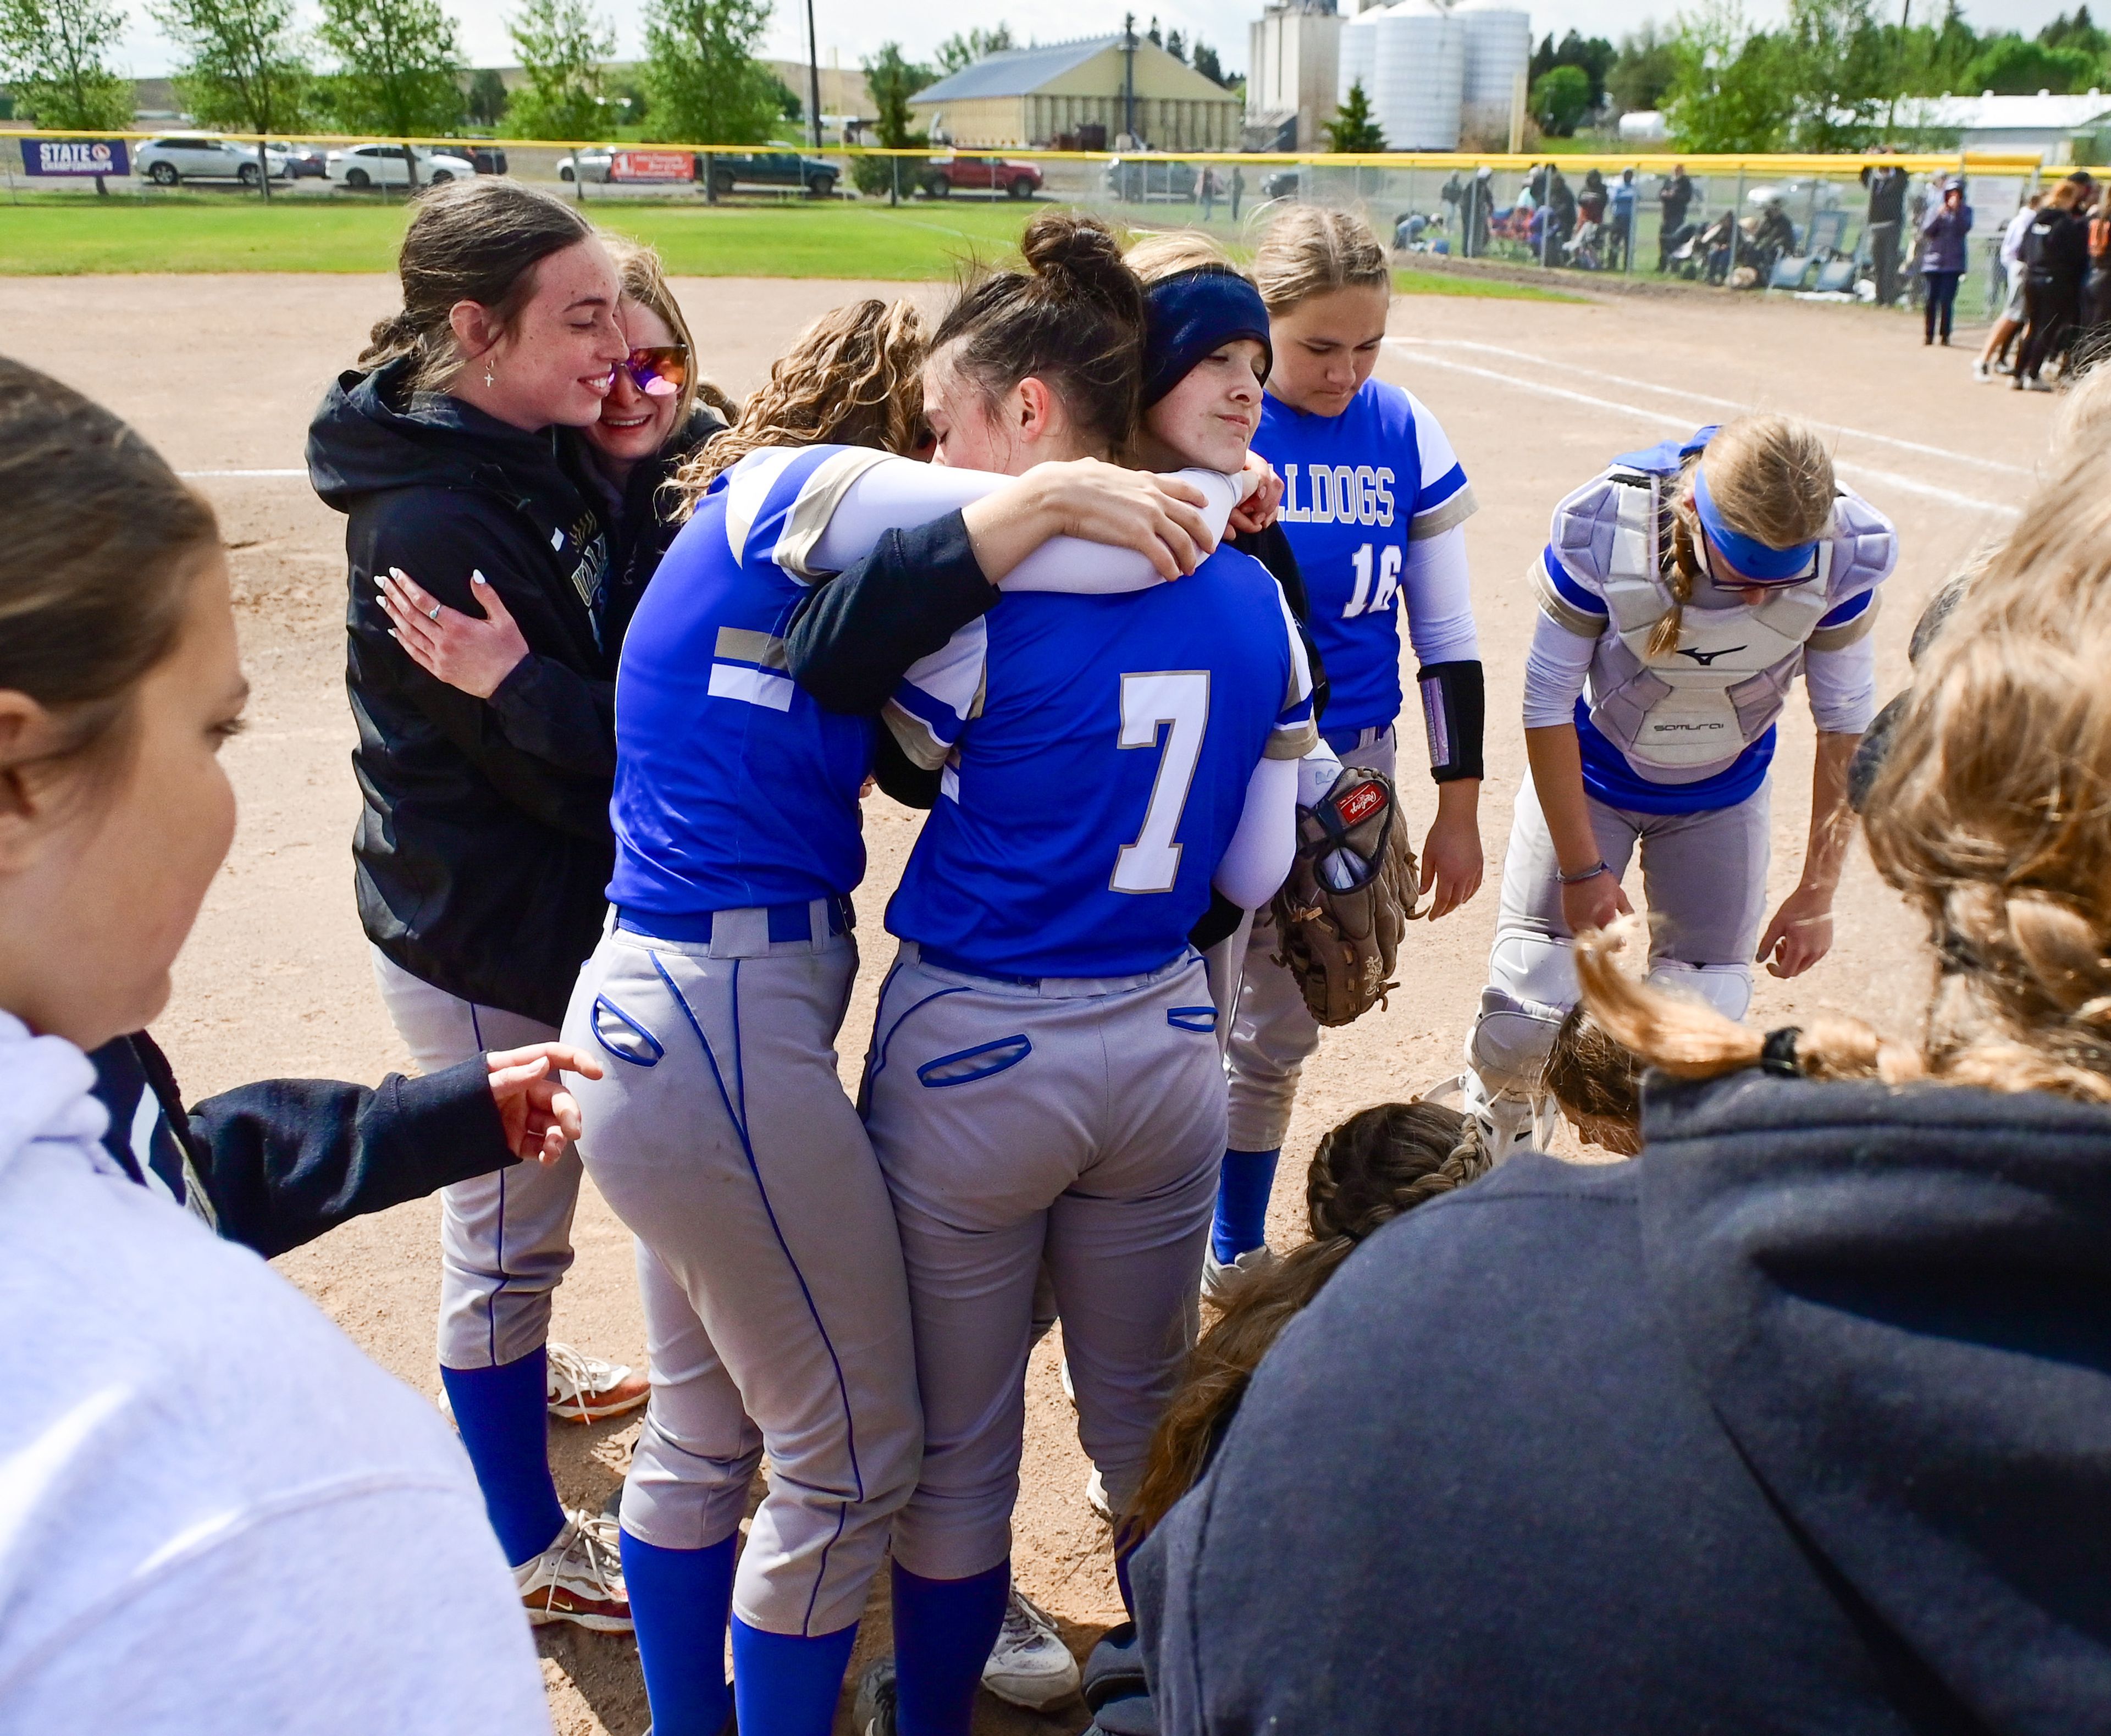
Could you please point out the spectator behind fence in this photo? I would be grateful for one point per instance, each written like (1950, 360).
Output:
(1994, 358)
(2096, 284)
(213, 1501)
(1945, 240)
(1624, 220)
(1887, 207)
(1802, 1419)
(2054, 254)
(1674, 198)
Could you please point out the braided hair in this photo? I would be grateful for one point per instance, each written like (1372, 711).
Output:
(1379, 1163)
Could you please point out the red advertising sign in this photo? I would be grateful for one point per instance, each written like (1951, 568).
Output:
(651, 165)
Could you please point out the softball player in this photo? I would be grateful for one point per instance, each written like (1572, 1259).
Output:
(1374, 501)
(1681, 593)
(1044, 1084)
(768, 1257)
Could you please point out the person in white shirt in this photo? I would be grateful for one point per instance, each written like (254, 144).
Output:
(1994, 357)
(215, 1513)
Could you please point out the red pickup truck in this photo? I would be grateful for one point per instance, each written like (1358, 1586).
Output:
(942, 174)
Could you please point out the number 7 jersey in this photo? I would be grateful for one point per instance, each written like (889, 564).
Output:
(1096, 752)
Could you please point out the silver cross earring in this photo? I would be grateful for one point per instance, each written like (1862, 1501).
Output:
(489, 382)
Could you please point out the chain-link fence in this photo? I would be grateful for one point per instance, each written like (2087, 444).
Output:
(1820, 227)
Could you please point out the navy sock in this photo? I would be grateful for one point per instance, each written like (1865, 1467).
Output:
(787, 1684)
(1242, 1191)
(943, 1630)
(503, 1417)
(679, 1600)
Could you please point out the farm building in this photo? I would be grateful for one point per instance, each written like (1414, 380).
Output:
(2061, 130)
(1070, 91)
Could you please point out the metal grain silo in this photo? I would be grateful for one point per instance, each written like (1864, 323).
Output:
(1418, 81)
(1359, 54)
(1498, 53)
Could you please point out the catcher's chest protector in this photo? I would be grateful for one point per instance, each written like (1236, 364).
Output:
(1701, 704)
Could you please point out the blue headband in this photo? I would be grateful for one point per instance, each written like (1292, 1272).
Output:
(1193, 314)
(1755, 559)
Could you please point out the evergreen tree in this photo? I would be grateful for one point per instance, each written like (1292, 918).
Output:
(399, 66)
(1352, 130)
(1177, 47)
(488, 97)
(1151, 35)
(2010, 66)
(964, 49)
(561, 45)
(706, 84)
(242, 66)
(893, 80)
(1206, 63)
(54, 57)
(1642, 72)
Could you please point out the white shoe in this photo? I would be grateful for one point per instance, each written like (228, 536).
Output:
(585, 1389)
(2035, 385)
(1982, 372)
(1095, 1496)
(1069, 1387)
(1217, 1277)
(1508, 1119)
(579, 1579)
(1030, 1665)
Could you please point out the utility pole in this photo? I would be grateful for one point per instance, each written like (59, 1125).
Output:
(1128, 77)
(813, 80)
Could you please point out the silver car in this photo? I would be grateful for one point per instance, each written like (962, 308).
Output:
(390, 166)
(205, 156)
(590, 165)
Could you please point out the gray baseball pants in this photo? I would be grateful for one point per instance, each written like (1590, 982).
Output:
(1704, 879)
(1273, 1032)
(776, 1314)
(1073, 1121)
(506, 1239)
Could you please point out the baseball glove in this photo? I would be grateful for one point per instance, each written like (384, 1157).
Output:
(1351, 892)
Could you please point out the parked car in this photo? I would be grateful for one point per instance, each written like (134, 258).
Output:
(305, 162)
(486, 159)
(205, 156)
(1284, 183)
(729, 170)
(635, 164)
(389, 165)
(942, 174)
(1136, 180)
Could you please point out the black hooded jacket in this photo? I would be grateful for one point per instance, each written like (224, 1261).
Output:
(484, 855)
(1799, 1422)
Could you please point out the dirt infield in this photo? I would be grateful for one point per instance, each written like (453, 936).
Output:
(222, 373)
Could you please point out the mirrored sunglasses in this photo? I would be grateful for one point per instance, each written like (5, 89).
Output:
(661, 372)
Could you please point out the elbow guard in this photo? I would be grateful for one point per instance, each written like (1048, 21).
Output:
(1454, 712)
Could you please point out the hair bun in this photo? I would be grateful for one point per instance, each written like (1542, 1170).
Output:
(1081, 256)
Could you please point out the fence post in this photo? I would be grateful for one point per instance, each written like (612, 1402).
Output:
(1736, 226)
(894, 191)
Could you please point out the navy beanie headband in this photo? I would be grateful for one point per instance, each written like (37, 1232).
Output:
(1193, 313)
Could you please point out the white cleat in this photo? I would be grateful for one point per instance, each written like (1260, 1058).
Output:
(1508, 1120)
(1030, 1665)
(1218, 1277)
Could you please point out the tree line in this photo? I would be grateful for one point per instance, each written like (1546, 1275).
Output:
(1833, 76)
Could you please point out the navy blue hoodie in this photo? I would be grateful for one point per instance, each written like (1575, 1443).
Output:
(1799, 1422)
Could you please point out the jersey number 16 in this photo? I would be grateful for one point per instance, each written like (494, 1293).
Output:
(1179, 699)
(1389, 558)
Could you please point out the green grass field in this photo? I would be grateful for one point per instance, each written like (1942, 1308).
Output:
(71, 236)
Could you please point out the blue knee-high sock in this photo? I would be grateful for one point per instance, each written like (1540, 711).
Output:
(788, 1684)
(504, 1424)
(943, 1630)
(679, 1600)
(1242, 1191)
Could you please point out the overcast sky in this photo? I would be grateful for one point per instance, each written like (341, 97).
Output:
(849, 29)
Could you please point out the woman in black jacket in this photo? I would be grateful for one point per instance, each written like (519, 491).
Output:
(2055, 256)
(483, 851)
(1802, 1419)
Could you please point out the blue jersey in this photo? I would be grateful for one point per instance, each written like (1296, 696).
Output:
(1358, 488)
(1097, 752)
(732, 787)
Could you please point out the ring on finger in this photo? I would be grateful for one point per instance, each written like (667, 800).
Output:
(434, 613)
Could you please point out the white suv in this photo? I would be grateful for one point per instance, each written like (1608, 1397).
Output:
(389, 165)
(205, 156)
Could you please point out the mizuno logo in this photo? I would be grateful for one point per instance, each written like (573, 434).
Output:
(1706, 658)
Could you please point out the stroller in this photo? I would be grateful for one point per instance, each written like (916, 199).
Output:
(1585, 249)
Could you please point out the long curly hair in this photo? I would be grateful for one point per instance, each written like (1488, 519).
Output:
(1991, 816)
(1377, 1164)
(854, 378)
